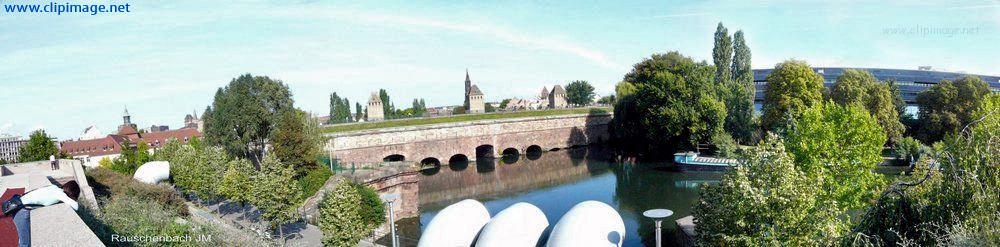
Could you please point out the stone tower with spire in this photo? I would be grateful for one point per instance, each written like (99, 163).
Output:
(468, 87)
(474, 98)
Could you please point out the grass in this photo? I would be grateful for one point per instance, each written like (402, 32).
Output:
(459, 118)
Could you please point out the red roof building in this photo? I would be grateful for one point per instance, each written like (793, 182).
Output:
(91, 151)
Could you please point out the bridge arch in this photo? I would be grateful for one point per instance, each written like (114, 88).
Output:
(458, 158)
(510, 152)
(430, 161)
(394, 158)
(533, 152)
(485, 151)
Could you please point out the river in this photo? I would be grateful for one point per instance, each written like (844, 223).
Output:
(555, 181)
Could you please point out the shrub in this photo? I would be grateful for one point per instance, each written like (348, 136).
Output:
(314, 180)
(349, 212)
(127, 215)
(109, 184)
(909, 150)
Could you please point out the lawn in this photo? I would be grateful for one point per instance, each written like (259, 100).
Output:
(459, 118)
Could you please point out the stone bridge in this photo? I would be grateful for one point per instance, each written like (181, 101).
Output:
(467, 141)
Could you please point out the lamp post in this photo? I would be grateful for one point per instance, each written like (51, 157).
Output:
(658, 215)
(390, 198)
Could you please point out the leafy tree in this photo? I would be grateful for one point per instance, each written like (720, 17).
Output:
(236, 184)
(340, 109)
(861, 88)
(722, 55)
(504, 103)
(791, 88)
(839, 146)
(489, 107)
(897, 98)
(244, 113)
(297, 140)
(766, 201)
(579, 93)
(948, 106)
(348, 213)
(275, 192)
(359, 113)
(197, 171)
(387, 107)
(607, 100)
(909, 150)
(39, 147)
(673, 105)
(740, 94)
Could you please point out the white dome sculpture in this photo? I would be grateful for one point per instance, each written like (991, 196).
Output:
(455, 225)
(521, 224)
(153, 172)
(588, 224)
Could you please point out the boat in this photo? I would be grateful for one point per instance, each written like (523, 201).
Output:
(690, 161)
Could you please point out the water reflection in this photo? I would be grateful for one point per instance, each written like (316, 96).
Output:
(556, 181)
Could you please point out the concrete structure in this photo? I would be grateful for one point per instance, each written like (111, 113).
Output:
(55, 225)
(10, 147)
(91, 133)
(910, 82)
(442, 143)
(557, 98)
(474, 98)
(374, 111)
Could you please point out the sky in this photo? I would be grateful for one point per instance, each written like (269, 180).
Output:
(166, 59)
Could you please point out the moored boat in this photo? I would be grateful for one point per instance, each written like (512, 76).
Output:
(690, 161)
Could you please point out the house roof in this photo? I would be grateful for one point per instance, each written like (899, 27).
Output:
(374, 98)
(558, 90)
(112, 144)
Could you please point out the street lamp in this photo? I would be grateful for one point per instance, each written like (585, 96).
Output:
(390, 198)
(658, 215)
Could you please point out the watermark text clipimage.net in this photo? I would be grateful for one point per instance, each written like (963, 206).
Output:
(64, 8)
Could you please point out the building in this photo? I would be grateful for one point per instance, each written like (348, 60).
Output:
(910, 82)
(374, 111)
(158, 128)
(476, 104)
(557, 98)
(91, 133)
(474, 98)
(91, 151)
(192, 121)
(10, 147)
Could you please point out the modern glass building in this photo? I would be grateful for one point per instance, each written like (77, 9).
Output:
(910, 82)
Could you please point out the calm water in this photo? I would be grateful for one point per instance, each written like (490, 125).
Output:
(556, 181)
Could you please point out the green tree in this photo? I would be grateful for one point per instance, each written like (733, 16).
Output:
(296, 142)
(244, 113)
(39, 147)
(948, 106)
(197, 171)
(766, 201)
(275, 192)
(607, 100)
(348, 213)
(673, 105)
(236, 184)
(861, 88)
(489, 107)
(839, 146)
(579, 93)
(504, 103)
(359, 113)
(740, 96)
(722, 55)
(387, 107)
(791, 88)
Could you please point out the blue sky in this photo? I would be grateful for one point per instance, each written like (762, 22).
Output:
(165, 59)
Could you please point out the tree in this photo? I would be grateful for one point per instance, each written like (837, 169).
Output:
(197, 170)
(839, 146)
(741, 93)
(359, 113)
(275, 192)
(766, 200)
(861, 88)
(722, 55)
(387, 108)
(673, 105)
(244, 113)
(607, 100)
(297, 140)
(236, 184)
(340, 109)
(580, 93)
(504, 103)
(948, 106)
(348, 213)
(39, 147)
(791, 88)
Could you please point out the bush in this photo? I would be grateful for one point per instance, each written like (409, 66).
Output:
(909, 150)
(127, 215)
(725, 146)
(314, 180)
(348, 213)
(109, 184)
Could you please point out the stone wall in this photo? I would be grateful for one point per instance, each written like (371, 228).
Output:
(444, 141)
